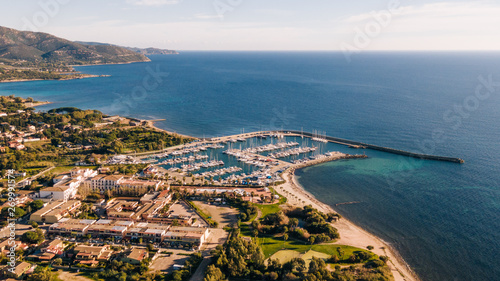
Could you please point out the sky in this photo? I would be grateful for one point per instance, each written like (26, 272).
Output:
(360, 25)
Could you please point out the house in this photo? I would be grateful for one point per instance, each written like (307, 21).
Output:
(18, 174)
(16, 145)
(103, 170)
(7, 244)
(56, 246)
(136, 256)
(23, 198)
(53, 249)
(61, 177)
(20, 271)
(92, 255)
(149, 172)
(82, 173)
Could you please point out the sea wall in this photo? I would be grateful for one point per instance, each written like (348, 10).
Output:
(357, 144)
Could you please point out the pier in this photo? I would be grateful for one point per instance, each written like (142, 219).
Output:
(356, 144)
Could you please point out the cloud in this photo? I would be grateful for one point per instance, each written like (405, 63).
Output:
(442, 25)
(153, 2)
(207, 16)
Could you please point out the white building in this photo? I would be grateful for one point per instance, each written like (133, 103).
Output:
(63, 190)
(66, 185)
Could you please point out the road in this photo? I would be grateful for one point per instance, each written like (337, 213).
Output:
(35, 176)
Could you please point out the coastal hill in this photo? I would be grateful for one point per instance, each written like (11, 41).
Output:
(143, 51)
(37, 47)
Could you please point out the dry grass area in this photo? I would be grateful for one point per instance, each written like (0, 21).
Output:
(72, 276)
(165, 263)
(222, 214)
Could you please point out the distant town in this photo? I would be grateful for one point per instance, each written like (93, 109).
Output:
(99, 197)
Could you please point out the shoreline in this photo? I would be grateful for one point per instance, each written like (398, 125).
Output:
(350, 233)
(38, 103)
(151, 124)
(84, 76)
(112, 63)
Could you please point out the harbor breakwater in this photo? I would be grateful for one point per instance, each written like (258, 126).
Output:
(357, 144)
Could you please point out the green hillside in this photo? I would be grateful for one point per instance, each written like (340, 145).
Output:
(37, 47)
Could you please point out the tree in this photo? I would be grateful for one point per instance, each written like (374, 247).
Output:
(313, 266)
(369, 248)
(7, 212)
(36, 205)
(33, 237)
(43, 274)
(312, 238)
(213, 273)
(150, 247)
(293, 222)
(34, 224)
(334, 259)
(58, 261)
(285, 237)
(340, 252)
(258, 257)
(56, 141)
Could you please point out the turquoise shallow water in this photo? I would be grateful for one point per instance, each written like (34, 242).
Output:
(442, 217)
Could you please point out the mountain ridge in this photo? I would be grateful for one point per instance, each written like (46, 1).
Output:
(16, 45)
(144, 51)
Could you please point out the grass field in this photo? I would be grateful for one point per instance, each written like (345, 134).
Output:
(37, 144)
(64, 169)
(287, 255)
(268, 209)
(271, 245)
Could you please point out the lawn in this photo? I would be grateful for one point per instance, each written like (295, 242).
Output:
(65, 169)
(268, 209)
(246, 230)
(270, 245)
(37, 144)
(287, 255)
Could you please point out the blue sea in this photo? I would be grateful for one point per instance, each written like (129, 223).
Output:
(442, 217)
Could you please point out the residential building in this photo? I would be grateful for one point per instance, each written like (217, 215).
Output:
(67, 226)
(109, 228)
(92, 255)
(55, 211)
(136, 256)
(147, 231)
(20, 271)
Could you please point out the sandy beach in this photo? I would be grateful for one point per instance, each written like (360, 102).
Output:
(151, 124)
(350, 234)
